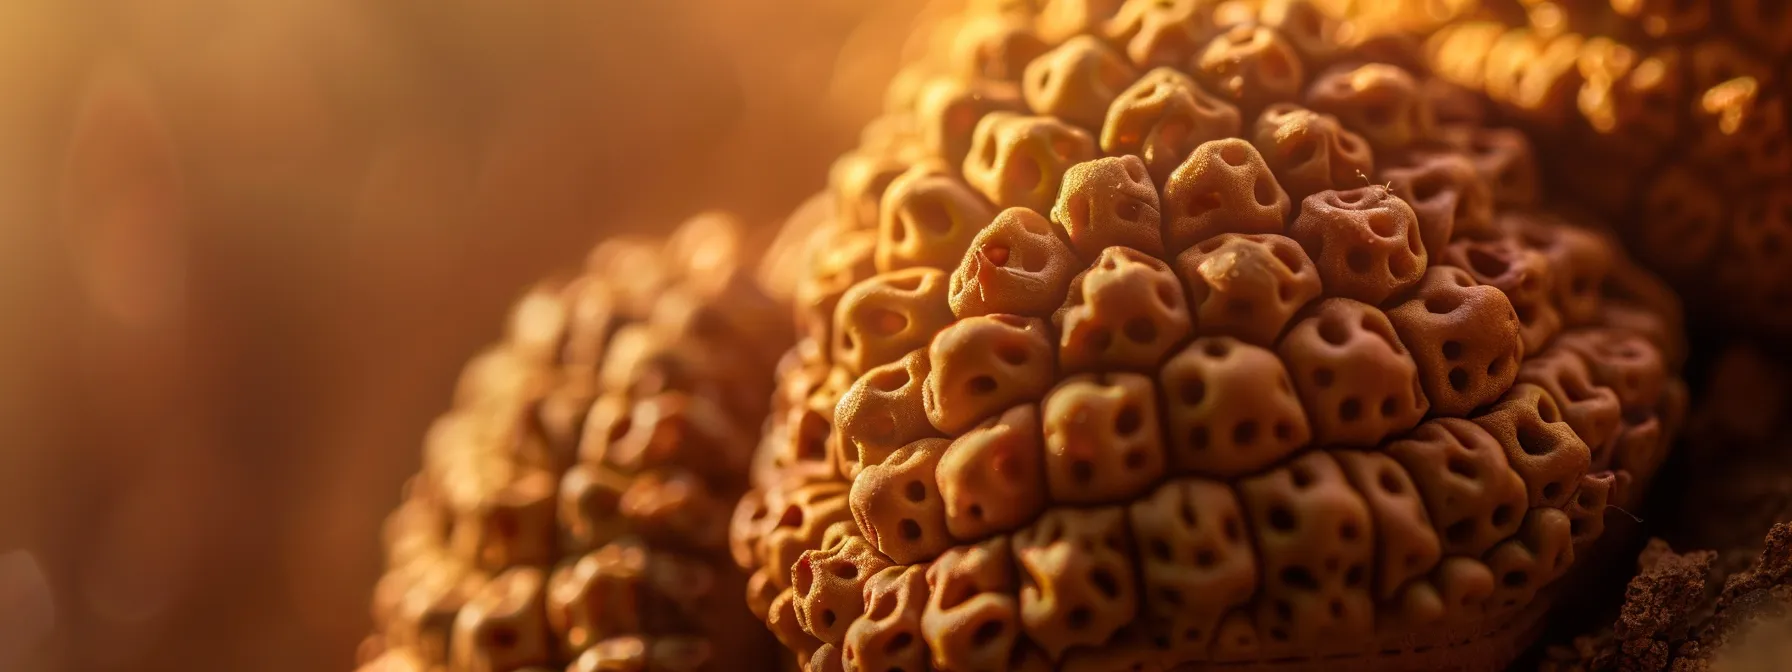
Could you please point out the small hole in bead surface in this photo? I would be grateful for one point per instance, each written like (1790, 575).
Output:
(996, 254)
(1301, 151)
(1080, 618)
(1265, 191)
(1301, 476)
(891, 381)
(1350, 409)
(980, 385)
(1487, 264)
(1458, 379)
(1502, 514)
(1334, 331)
(1204, 203)
(915, 491)
(1192, 391)
(846, 571)
(1388, 407)
(1323, 377)
(1012, 355)
(1281, 519)
(1216, 349)
(1460, 466)
(932, 216)
(1534, 441)
(910, 529)
(1358, 261)
(901, 641)
(1083, 471)
(986, 633)
(1552, 490)
(1299, 578)
(1128, 210)
(1460, 531)
(1442, 304)
(1233, 153)
(1244, 433)
(1381, 223)
(1390, 483)
(1141, 330)
(1129, 420)
(1024, 173)
(1199, 439)
(1105, 582)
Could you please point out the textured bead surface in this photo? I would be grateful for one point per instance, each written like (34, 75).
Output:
(1269, 357)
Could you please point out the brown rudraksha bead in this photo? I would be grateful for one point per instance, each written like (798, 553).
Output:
(1223, 187)
(1464, 338)
(972, 619)
(1018, 161)
(1265, 360)
(829, 585)
(897, 504)
(1316, 540)
(1193, 549)
(1076, 81)
(1077, 583)
(1101, 437)
(1540, 447)
(879, 321)
(1445, 193)
(1251, 66)
(1247, 286)
(1311, 151)
(888, 636)
(983, 365)
(1231, 409)
(993, 477)
(1364, 241)
(572, 503)
(1471, 493)
(1383, 101)
(1357, 381)
(1162, 118)
(1015, 265)
(881, 412)
(1125, 312)
(1109, 202)
(927, 218)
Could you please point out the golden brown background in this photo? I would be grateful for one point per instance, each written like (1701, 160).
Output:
(245, 244)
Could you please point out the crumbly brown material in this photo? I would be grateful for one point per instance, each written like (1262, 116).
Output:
(1682, 613)
(1670, 117)
(572, 508)
(1209, 340)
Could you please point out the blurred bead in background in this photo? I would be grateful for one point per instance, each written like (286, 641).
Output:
(244, 248)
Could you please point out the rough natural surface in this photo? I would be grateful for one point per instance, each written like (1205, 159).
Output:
(1157, 332)
(1669, 116)
(1683, 614)
(572, 509)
